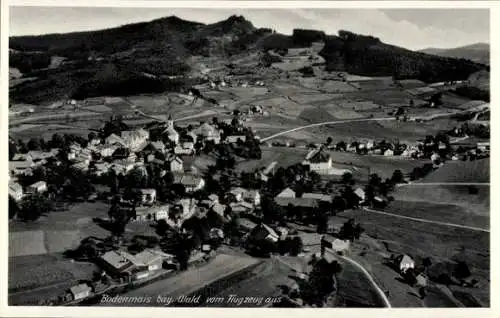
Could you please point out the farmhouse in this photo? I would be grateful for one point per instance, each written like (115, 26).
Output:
(115, 263)
(190, 182)
(334, 244)
(234, 139)
(318, 161)
(147, 260)
(151, 213)
(404, 262)
(237, 193)
(80, 291)
(15, 191)
(176, 163)
(264, 232)
(114, 139)
(360, 193)
(148, 196)
(208, 132)
(106, 150)
(37, 187)
(20, 167)
(134, 139)
(187, 206)
(252, 196)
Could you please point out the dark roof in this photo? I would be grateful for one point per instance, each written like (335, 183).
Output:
(300, 202)
(121, 152)
(319, 156)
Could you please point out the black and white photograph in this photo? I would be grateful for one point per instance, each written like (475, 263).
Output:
(248, 157)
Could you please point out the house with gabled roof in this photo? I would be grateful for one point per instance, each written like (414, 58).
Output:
(15, 191)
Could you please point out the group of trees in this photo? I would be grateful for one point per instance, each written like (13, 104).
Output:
(30, 208)
(28, 62)
(321, 282)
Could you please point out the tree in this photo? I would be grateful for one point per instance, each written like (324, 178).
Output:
(12, 150)
(92, 136)
(13, 207)
(322, 226)
(33, 144)
(329, 141)
(296, 246)
(348, 179)
(33, 207)
(427, 262)
(397, 176)
(462, 270)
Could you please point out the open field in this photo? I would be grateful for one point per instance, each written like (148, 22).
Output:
(473, 204)
(439, 242)
(439, 212)
(32, 278)
(462, 171)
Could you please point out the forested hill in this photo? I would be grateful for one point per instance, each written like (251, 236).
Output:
(367, 55)
(162, 47)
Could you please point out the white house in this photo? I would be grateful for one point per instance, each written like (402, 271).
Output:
(237, 193)
(389, 153)
(148, 196)
(252, 196)
(15, 191)
(287, 193)
(114, 139)
(405, 262)
(235, 138)
(107, 150)
(134, 139)
(318, 161)
(190, 182)
(172, 134)
(434, 157)
(176, 164)
(209, 133)
(80, 291)
(151, 213)
(360, 193)
(37, 187)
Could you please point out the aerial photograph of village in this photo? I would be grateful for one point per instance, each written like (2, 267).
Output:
(285, 158)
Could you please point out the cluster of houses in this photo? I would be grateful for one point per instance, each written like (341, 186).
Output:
(125, 152)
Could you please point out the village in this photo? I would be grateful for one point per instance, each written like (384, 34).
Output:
(150, 178)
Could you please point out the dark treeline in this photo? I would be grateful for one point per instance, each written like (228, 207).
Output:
(366, 55)
(28, 62)
(473, 93)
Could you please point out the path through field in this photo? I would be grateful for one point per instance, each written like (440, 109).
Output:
(472, 228)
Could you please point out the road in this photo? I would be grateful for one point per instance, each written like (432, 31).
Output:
(327, 123)
(375, 286)
(472, 228)
(399, 185)
(425, 118)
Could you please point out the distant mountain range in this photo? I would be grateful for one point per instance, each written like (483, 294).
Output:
(479, 52)
(113, 61)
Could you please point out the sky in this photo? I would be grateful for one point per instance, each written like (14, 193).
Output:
(410, 28)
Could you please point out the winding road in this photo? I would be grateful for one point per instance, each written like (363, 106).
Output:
(375, 286)
(472, 228)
